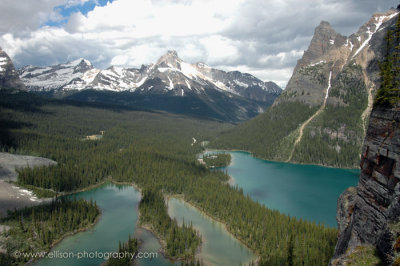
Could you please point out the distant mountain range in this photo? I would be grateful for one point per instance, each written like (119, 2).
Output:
(169, 75)
(321, 117)
(170, 84)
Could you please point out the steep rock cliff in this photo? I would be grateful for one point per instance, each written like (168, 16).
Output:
(369, 215)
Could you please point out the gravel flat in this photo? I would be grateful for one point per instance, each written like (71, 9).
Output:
(12, 196)
(10, 162)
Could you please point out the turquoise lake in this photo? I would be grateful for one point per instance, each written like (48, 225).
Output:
(309, 192)
(218, 246)
(119, 206)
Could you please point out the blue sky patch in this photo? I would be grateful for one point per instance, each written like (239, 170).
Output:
(65, 11)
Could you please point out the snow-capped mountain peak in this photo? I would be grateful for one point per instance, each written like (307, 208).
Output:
(75, 74)
(169, 75)
(169, 60)
(80, 61)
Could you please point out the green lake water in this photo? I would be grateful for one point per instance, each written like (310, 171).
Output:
(309, 192)
(149, 243)
(218, 247)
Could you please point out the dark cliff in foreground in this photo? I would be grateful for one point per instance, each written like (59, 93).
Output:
(369, 215)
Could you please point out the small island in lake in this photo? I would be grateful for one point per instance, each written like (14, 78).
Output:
(217, 160)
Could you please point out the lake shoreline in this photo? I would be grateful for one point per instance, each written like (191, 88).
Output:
(276, 161)
(59, 240)
(162, 242)
(224, 226)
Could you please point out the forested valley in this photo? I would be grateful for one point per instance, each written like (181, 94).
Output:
(152, 150)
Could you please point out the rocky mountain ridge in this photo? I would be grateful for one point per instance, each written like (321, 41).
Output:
(330, 51)
(327, 101)
(170, 85)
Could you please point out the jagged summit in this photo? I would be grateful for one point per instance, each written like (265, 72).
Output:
(324, 24)
(79, 61)
(170, 59)
(323, 40)
(9, 78)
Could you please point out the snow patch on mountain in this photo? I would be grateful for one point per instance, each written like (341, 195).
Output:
(379, 20)
(3, 62)
(55, 77)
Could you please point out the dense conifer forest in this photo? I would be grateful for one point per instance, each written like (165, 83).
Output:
(389, 92)
(154, 151)
(131, 247)
(180, 241)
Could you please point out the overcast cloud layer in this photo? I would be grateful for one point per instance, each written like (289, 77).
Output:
(262, 37)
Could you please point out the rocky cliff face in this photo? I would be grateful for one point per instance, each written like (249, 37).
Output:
(370, 214)
(9, 78)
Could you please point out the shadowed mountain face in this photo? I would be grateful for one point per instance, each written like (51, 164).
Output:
(321, 117)
(170, 84)
(9, 78)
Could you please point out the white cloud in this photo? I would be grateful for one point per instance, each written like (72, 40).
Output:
(19, 16)
(219, 48)
(141, 54)
(71, 3)
(148, 18)
(280, 59)
(264, 38)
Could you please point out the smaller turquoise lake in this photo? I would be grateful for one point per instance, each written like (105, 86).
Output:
(119, 206)
(218, 246)
(309, 192)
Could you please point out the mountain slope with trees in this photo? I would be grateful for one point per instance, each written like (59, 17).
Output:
(338, 75)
